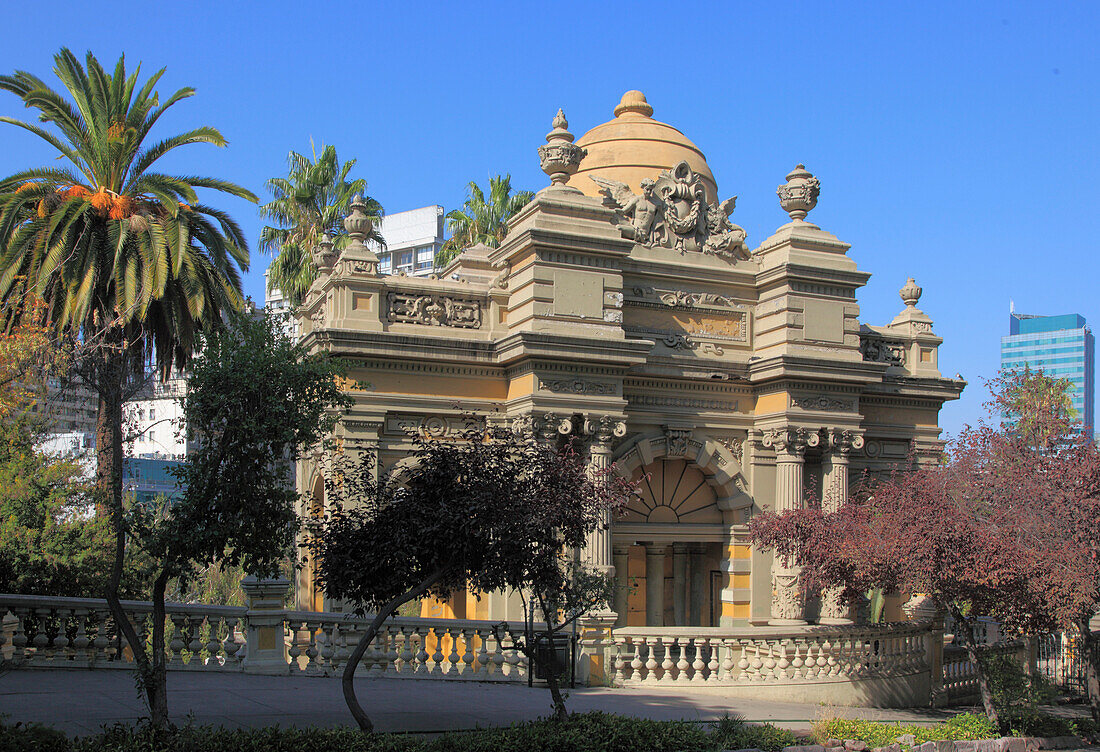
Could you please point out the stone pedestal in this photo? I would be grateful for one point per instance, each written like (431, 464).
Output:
(267, 653)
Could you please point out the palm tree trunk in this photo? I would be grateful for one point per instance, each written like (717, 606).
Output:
(109, 372)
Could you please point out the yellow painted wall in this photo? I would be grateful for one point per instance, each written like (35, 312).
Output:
(435, 385)
(771, 403)
(899, 415)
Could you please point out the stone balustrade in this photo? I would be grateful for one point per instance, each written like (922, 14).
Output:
(46, 632)
(794, 662)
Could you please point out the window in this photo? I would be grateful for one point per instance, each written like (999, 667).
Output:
(152, 414)
(405, 261)
(384, 263)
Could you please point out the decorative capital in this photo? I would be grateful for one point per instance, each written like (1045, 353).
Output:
(560, 158)
(605, 429)
(791, 441)
(910, 294)
(544, 426)
(844, 441)
(798, 196)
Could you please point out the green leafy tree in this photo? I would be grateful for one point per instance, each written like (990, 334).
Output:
(490, 511)
(482, 220)
(309, 202)
(127, 261)
(254, 402)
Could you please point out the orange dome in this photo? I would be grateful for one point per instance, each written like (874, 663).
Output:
(634, 146)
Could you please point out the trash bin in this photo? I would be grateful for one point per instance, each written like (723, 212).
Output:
(554, 651)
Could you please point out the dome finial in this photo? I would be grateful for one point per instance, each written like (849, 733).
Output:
(634, 101)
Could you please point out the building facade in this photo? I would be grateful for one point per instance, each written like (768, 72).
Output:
(153, 420)
(1062, 346)
(413, 238)
(626, 309)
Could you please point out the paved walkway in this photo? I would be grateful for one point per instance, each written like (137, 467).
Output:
(80, 702)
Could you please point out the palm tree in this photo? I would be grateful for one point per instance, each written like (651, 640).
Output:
(481, 221)
(129, 264)
(311, 201)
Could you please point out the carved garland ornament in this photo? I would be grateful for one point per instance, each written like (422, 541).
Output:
(821, 402)
(577, 386)
(787, 600)
(434, 310)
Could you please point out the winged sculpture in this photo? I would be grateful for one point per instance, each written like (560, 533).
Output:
(644, 212)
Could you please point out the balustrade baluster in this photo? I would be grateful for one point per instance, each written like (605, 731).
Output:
(327, 640)
(213, 660)
(175, 647)
(194, 645)
(453, 657)
(19, 638)
(313, 649)
(651, 660)
(392, 653)
(699, 667)
(682, 664)
(437, 655)
(636, 663)
(230, 644)
(81, 641)
(618, 661)
(482, 658)
(422, 668)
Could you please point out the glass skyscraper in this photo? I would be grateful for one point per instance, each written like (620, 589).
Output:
(1060, 345)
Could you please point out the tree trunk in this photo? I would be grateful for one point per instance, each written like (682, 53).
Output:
(553, 682)
(1090, 646)
(108, 374)
(347, 681)
(964, 627)
(155, 681)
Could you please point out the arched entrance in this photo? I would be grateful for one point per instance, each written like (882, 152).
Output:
(672, 542)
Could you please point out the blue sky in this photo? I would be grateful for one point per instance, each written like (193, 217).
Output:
(955, 142)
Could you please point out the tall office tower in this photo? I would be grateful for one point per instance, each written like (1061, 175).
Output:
(1060, 345)
(412, 240)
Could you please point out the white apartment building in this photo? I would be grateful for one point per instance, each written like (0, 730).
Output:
(154, 420)
(412, 240)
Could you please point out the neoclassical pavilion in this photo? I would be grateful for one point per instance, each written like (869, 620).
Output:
(626, 309)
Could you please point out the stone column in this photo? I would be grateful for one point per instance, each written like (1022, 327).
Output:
(790, 444)
(698, 584)
(604, 431)
(621, 557)
(654, 585)
(835, 609)
(680, 584)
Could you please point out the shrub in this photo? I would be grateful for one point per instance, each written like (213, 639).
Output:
(1030, 722)
(876, 734)
(585, 732)
(31, 738)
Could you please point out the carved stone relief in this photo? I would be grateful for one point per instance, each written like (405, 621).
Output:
(882, 351)
(677, 440)
(434, 310)
(822, 402)
(672, 212)
(791, 440)
(434, 426)
(577, 386)
(787, 600)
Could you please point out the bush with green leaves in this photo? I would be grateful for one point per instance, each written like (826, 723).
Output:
(581, 732)
(878, 734)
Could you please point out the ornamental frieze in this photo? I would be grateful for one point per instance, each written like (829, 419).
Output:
(685, 299)
(434, 310)
(432, 426)
(822, 402)
(577, 386)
